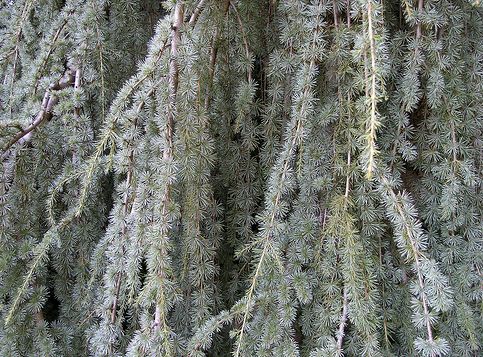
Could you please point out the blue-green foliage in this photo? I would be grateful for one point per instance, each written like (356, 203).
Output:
(241, 177)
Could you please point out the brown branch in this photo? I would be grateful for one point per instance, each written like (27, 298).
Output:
(45, 113)
(77, 84)
(343, 320)
(336, 15)
(418, 26)
(196, 13)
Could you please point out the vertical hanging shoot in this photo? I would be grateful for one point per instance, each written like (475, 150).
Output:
(295, 178)
(375, 61)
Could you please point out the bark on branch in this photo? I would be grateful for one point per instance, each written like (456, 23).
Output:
(46, 111)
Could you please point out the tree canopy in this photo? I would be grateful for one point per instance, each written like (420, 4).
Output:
(241, 177)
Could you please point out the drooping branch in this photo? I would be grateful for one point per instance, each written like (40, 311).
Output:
(45, 113)
(213, 56)
(415, 254)
(49, 53)
(127, 207)
(168, 150)
(372, 124)
(293, 141)
(245, 41)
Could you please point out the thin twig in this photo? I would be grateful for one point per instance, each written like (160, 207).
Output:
(371, 137)
(49, 53)
(245, 42)
(213, 56)
(343, 320)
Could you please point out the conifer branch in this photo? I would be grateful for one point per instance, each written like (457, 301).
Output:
(40, 255)
(272, 217)
(101, 70)
(49, 53)
(343, 320)
(373, 123)
(168, 131)
(213, 56)
(127, 207)
(108, 134)
(126, 211)
(294, 137)
(45, 113)
(245, 42)
(345, 302)
(416, 254)
(196, 13)
(208, 214)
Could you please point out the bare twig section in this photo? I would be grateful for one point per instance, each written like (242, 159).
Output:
(77, 84)
(196, 13)
(418, 25)
(348, 178)
(45, 113)
(343, 321)
(336, 14)
(168, 151)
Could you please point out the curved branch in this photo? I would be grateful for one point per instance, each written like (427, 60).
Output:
(45, 113)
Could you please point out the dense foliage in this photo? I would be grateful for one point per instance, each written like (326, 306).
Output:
(244, 177)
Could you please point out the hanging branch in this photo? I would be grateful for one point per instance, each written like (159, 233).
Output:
(213, 55)
(106, 138)
(415, 253)
(294, 136)
(373, 123)
(45, 113)
(49, 53)
(126, 205)
(345, 302)
(168, 132)
(245, 42)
